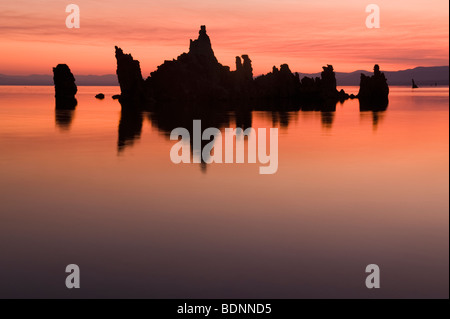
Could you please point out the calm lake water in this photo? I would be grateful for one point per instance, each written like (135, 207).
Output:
(353, 188)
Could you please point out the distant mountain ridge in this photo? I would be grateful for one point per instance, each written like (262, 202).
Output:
(47, 79)
(423, 76)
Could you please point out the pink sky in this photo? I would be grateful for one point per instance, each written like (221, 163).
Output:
(303, 33)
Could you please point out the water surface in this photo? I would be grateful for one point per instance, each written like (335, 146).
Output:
(97, 188)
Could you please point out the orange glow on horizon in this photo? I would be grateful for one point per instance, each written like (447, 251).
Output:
(304, 35)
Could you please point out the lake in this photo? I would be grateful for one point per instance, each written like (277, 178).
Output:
(96, 188)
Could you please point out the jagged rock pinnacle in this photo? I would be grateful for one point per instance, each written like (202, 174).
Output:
(130, 78)
(202, 46)
(198, 76)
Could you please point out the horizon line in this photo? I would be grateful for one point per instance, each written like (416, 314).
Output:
(360, 70)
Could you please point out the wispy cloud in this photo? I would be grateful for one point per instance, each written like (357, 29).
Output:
(303, 33)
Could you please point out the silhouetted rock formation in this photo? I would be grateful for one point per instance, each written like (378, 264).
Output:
(100, 96)
(116, 97)
(195, 75)
(242, 78)
(130, 80)
(280, 83)
(198, 76)
(374, 90)
(65, 87)
(202, 47)
(323, 89)
(414, 85)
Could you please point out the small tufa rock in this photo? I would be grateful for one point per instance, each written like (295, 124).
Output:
(116, 97)
(65, 87)
(374, 87)
(374, 91)
(100, 96)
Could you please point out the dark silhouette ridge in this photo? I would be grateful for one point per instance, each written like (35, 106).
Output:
(323, 91)
(424, 75)
(130, 80)
(414, 85)
(427, 76)
(373, 91)
(198, 76)
(65, 87)
(197, 86)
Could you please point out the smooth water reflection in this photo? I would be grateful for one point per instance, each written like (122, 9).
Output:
(96, 187)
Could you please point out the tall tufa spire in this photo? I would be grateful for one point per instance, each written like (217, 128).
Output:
(202, 46)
